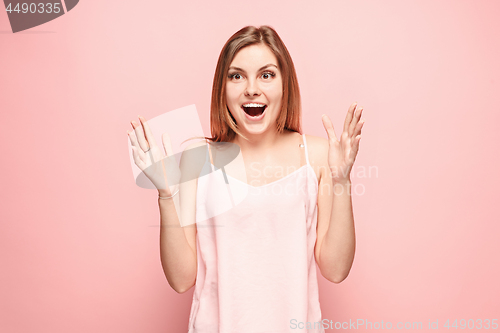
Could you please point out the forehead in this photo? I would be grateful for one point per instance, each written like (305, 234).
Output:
(254, 57)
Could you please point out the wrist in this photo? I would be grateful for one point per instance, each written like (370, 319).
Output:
(341, 181)
(164, 193)
(340, 175)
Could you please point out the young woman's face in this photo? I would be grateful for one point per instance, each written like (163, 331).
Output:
(254, 89)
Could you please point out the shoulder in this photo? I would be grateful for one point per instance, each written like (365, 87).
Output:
(317, 148)
(193, 157)
(195, 144)
(316, 142)
(195, 149)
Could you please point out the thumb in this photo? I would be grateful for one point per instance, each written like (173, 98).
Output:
(327, 123)
(167, 144)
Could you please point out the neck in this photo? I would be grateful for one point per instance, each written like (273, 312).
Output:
(258, 142)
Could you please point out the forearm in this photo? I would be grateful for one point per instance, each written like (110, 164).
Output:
(338, 247)
(177, 257)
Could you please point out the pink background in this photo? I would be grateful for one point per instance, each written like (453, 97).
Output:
(79, 243)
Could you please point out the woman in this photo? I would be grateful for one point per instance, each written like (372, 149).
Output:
(253, 264)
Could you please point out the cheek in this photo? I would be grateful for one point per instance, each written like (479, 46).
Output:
(232, 93)
(275, 90)
(232, 104)
(275, 93)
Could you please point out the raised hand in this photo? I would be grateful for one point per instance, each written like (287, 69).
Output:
(149, 158)
(342, 153)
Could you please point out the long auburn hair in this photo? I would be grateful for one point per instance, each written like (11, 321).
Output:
(222, 124)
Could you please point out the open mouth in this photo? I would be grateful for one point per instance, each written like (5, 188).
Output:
(253, 109)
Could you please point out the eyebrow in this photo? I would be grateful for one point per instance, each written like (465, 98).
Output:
(263, 67)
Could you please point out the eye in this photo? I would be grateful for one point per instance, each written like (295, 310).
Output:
(234, 76)
(269, 74)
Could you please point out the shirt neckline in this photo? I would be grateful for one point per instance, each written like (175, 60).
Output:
(278, 180)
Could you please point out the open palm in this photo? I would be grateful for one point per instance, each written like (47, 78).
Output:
(161, 170)
(342, 153)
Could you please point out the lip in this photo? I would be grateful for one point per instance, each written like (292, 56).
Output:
(259, 117)
(255, 102)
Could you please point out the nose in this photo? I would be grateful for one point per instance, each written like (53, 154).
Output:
(252, 88)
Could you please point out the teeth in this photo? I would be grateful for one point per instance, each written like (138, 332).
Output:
(253, 105)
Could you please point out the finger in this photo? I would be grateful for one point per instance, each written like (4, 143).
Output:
(349, 116)
(172, 172)
(167, 144)
(354, 121)
(327, 123)
(358, 128)
(137, 159)
(355, 148)
(147, 131)
(139, 132)
(133, 139)
(135, 143)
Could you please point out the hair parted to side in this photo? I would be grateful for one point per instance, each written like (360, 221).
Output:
(222, 124)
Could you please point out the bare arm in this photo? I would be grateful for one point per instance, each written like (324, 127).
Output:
(338, 240)
(336, 233)
(177, 247)
(178, 240)
(177, 213)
